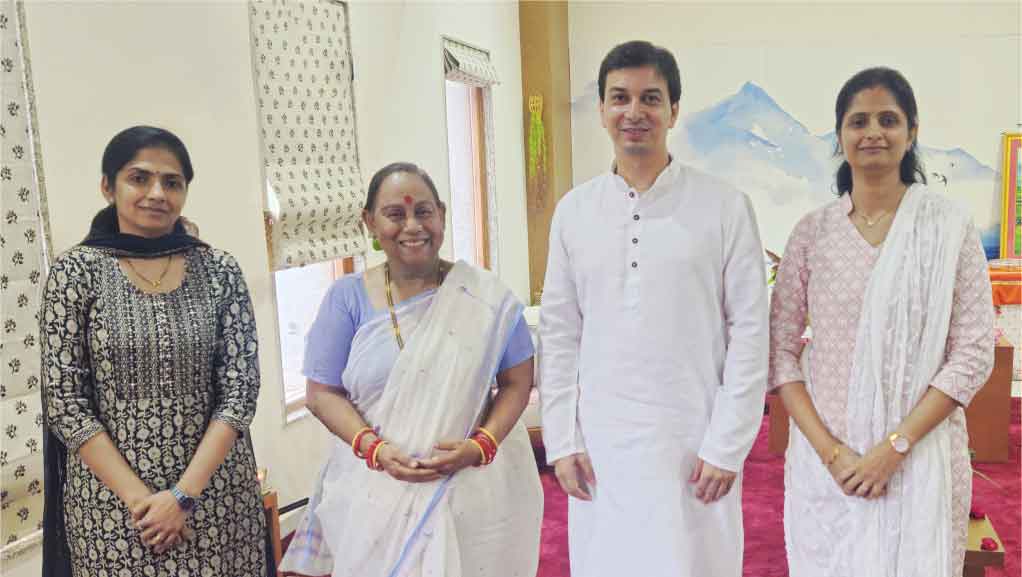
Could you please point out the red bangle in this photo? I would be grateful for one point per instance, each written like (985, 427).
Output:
(482, 452)
(357, 440)
(486, 445)
(371, 454)
(489, 443)
(488, 434)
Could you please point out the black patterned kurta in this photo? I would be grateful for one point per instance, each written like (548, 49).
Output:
(153, 370)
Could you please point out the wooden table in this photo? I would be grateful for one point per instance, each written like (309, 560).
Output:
(987, 417)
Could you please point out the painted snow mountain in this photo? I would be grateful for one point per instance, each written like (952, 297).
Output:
(748, 139)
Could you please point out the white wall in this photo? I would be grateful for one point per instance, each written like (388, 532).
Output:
(100, 67)
(397, 53)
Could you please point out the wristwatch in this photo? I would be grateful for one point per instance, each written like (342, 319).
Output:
(900, 443)
(184, 500)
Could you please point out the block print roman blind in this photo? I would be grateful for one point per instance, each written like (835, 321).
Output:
(23, 257)
(306, 106)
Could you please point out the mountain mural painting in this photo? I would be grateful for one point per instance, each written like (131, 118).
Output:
(751, 141)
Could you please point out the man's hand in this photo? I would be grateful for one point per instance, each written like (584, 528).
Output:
(576, 476)
(712, 483)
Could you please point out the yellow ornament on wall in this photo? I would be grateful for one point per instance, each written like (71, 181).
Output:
(537, 162)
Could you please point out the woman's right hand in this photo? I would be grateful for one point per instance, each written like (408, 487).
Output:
(846, 459)
(404, 468)
(160, 521)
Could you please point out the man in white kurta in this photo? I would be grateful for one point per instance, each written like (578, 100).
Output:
(653, 354)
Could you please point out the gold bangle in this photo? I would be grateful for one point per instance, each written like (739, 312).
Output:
(833, 455)
(490, 436)
(376, 450)
(482, 453)
(357, 440)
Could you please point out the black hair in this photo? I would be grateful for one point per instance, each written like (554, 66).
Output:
(392, 168)
(126, 144)
(892, 81)
(639, 53)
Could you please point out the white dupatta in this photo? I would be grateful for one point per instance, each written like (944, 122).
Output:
(900, 346)
(437, 389)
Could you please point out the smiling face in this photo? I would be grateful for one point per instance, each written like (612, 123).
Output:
(407, 220)
(875, 132)
(149, 193)
(637, 111)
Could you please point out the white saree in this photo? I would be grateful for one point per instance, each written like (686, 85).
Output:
(899, 348)
(480, 521)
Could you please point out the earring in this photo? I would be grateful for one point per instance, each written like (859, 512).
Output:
(376, 244)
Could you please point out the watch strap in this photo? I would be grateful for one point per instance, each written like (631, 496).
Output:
(186, 501)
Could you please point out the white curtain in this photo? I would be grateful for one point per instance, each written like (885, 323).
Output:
(303, 77)
(22, 261)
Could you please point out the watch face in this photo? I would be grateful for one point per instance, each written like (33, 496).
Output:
(900, 444)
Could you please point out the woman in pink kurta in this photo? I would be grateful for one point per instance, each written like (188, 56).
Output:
(836, 493)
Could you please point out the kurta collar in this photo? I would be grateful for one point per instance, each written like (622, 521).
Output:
(667, 177)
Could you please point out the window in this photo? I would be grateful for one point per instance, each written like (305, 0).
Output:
(299, 294)
(466, 149)
(469, 75)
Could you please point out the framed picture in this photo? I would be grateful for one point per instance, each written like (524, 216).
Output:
(1011, 207)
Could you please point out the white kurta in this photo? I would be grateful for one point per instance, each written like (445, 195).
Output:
(653, 331)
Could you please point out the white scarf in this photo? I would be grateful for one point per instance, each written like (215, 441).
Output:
(899, 348)
(436, 391)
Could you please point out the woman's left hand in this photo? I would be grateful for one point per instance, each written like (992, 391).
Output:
(869, 477)
(161, 520)
(453, 456)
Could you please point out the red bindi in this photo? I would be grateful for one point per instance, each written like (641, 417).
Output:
(409, 200)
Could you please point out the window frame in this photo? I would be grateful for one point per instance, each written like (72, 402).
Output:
(295, 406)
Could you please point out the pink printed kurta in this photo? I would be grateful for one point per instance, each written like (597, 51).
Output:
(823, 275)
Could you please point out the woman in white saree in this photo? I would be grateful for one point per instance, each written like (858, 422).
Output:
(893, 276)
(400, 362)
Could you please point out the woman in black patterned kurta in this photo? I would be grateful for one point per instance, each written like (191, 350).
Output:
(149, 387)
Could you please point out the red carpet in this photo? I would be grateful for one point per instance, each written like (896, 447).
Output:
(763, 502)
(1000, 499)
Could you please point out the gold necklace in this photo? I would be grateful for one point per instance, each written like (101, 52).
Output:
(390, 299)
(876, 219)
(153, 283)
